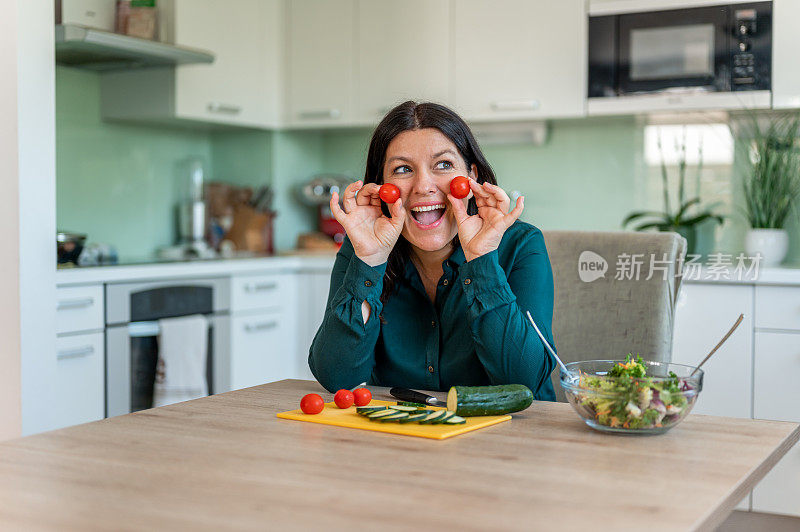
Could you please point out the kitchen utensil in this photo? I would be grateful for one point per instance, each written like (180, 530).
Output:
(412, 396)
(598, 405)
(347, 417)
(546, 344)
(69, 246)
(724, 339)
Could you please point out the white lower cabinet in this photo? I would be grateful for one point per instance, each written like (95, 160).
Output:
(704, 312)
(80, 377)
(262, 349)
(777, 397)
(314, 288)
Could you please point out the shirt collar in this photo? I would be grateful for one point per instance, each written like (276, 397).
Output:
(453, 262)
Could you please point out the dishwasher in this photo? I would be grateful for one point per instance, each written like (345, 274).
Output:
(132, 329)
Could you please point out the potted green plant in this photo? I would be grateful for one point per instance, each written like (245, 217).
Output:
(771, 186)
(688, 213)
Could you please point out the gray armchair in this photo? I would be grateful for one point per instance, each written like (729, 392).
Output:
(606, 315)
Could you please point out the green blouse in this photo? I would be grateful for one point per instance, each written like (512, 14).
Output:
(476, 332)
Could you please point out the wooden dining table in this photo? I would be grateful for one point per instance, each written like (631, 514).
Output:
(226, 462)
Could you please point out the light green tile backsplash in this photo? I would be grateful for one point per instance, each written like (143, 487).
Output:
(119, 182)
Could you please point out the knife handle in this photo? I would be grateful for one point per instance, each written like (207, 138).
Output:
(404, 394)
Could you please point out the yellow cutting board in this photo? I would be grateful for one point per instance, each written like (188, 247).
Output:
(347, 417)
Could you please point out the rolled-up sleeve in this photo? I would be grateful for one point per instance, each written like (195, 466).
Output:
(342, 354)
(507, 345)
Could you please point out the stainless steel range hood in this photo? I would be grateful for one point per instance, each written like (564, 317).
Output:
(92, 49)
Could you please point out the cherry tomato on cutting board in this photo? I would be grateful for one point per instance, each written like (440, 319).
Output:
(362, 396)
(389, 193)
(344, 398)
(459, 187)
(312, 404)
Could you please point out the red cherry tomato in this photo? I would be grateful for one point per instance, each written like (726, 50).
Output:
(344, 398)
(362, 396)
(459, 187)
(312, 404)
(389, 193)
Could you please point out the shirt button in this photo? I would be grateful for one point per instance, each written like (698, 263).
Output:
(367, 283)
(445, 282)
(433, 324)
(430, 369)
(467, 281)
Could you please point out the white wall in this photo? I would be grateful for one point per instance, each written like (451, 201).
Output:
(10, 385)
(27, 168)
(37, 200)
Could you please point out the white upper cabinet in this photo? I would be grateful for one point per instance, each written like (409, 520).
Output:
(241, 87)
(320, 62)
(403, 54)
(519, 59)
(785, 50)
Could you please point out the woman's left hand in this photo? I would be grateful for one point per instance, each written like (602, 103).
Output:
(481, 233)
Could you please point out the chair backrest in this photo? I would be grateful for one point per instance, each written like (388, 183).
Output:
(607, 315)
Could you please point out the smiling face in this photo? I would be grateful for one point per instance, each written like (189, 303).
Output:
(421, 162)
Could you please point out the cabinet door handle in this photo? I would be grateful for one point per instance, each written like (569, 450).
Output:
(319, 114)
(65, 304)
(224, 108)
(75, 353)
(515, 105)
(258, 327)
(262, 287)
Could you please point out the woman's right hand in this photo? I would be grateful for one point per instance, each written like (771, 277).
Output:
(372, 234)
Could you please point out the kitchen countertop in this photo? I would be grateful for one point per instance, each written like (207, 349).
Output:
(195, 268)
(226, 462)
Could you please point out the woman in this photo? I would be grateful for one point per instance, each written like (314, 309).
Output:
(431, 291)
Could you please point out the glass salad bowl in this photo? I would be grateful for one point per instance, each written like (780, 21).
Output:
(631, 396)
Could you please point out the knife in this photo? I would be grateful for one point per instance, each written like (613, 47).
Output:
(404, 394)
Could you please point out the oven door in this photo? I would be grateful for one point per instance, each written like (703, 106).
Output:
(677, 49)
(132, 355)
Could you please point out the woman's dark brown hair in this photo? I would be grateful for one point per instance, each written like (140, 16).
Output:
(410, 116)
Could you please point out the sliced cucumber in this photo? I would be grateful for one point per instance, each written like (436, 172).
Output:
(394, 417)
(403, 408)
(412, 418)
(455, 420)
(381, 413)
(442, 419)
(409, 403)
(433, 416)
(369, 409)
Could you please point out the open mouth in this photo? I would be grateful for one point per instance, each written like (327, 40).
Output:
(428, 216)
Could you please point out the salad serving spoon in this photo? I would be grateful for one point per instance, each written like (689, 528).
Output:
(724, 339)
(546, 344)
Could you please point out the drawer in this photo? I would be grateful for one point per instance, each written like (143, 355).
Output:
(262, 349)
(80, 379)
(778, 307)
(262, 292)
(79, 308)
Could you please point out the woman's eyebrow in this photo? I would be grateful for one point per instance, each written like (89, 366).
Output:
(448, 150)
(398, 158)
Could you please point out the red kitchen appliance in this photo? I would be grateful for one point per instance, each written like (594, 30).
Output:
(317, 193)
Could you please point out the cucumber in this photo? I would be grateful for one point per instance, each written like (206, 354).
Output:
(381, 413)
(432, 417)
(369, 409)
(409, 403)
(397, 416)
(455, 420)
(403, 408)
(443, 419)
(468, 401)
(413, 418)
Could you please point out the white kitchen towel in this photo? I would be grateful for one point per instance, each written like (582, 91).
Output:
(182, 352)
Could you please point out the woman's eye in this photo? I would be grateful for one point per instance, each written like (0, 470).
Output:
(444, 165)
(404, 169)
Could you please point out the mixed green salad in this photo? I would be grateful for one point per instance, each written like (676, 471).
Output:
(627, 398)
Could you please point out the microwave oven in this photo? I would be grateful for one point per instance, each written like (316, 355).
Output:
(723, 48)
